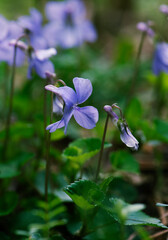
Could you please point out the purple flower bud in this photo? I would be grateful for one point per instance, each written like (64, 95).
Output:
(112, 114)
(125, 134)
(145, 27)
(50, 75)
(164, 9)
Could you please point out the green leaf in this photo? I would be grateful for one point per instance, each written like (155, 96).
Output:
(57, 211)
(105, 184)
(8, 203)
(134, 112)
(85, 194)
(19, 131)
(83, 149)
(161, 205)
(57, 135)
(140, 218)
(124, 161)
(161, 128)
(129, 213)
(8, 171)
(20, 160)
(35, 236)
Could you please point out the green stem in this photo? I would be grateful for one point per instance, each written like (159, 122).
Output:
(45, 116)
(136, 66)
(48, 153)
(8, 120)
(102, 148)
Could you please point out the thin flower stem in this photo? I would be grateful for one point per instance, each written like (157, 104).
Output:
(102, 148)
(45, 115)
(8, 120)
(136, 66)
(48, 153)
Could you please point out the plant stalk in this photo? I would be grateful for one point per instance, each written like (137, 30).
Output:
(136, 66)
(8, 120)
(102, 148)
(48, 144)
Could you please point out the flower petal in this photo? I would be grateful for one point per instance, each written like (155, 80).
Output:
(54, 126)
(68, 112)
(58, 105)
(86, 117)
(45, 54)
(4, 28)
(67, 94)
(43, 66)
(129, 140)
(83, 89)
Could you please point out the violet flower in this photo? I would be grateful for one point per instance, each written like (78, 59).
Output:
(164, 9)
(32, 26)
(68, 26)
(125, 133)
(86, 117)
(146, 28)
(39, 61)
(10, 30)
(160, 60)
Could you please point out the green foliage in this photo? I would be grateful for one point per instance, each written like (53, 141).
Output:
(85, 194)
(81, 150)
(140, 218)
(12, 168)
(124, 161)
(87, 210)
(7, 171)
(19, 131)
(8, 203)
(134, 113)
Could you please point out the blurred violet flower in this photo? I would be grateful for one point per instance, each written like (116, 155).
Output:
(160, 60)
(39, 61)
(146, 28)
(86, 117)
(32, 26)
(20, 44)
(68, 26)
(164, 9)
(10, 30)
(125, 133)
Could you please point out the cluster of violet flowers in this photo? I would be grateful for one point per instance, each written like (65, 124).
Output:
(67, 27)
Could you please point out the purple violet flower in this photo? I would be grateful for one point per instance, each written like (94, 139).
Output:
(125, 133)
(164, 9)
(10, 30)
(160, 60)
(86, 117)
(146, 28)
(32, 26)
(68, 26)
(38, 61)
